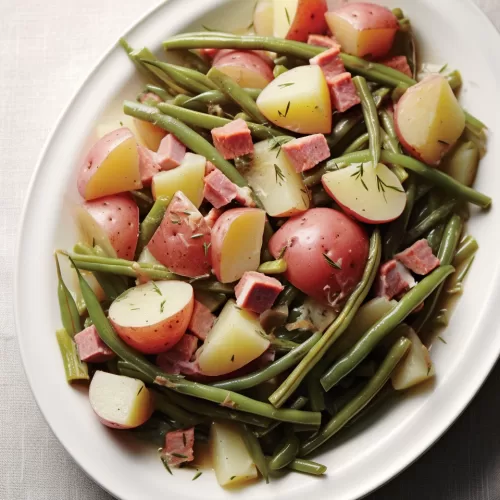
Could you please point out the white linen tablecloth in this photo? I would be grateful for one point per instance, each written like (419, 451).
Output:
(46, 50)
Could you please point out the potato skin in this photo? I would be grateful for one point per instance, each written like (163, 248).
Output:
(311, 236)
(309, 19)
(118, 216)
(158, 337)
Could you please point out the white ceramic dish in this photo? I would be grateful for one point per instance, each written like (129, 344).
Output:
(452, 31)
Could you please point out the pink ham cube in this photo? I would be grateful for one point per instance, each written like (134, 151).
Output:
(393, 279)
(233, 140)
(170, 153)
(202, 320)
(179, 447)
(323, 41)
(91, 348)
(343, 91)
(330, 62)
(177, 360)
(257, 292)
(419, 258)
(147, 165)
(306, 152)
(399, 63)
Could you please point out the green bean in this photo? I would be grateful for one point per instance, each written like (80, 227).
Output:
(189, 85)
(164, 405)
(360, 143)
(88, 322)
(194, 75)
(388, 124)
(281, 365)
(254, 449)
(315, 393)
(307, 467)
(218, 97)
(396, 230)
(435, 237)
(371, 117)
(273, 267)
(74, 368)
(462, 163)
(467, 248)
(284, 345)
(320, 197)
(432, 220)
(398, 13)
(372, 71)
(159, 91)
(445, 255)
(456, 280)
(151, 223)
(392, 144)
(209, 122)
(474, 123)
(433, 175)
(454, 79)
(287, 296)
(140, 67)
(278, 70)
(111, 288)
(192, 60)
(69, 312)
(285, 453)
(214, 286)
(349, 411)
(336, 329)
(298, 404)
(384, 326)
(177, 384)
(143, 199)
(234, 92)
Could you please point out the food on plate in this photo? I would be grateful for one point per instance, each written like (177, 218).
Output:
(295, 203)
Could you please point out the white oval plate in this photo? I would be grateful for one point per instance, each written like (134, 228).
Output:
(451, 31)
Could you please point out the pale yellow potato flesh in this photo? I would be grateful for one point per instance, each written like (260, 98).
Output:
(108, 126)
(429, 119)
(298, 100)
(235, 339)
(416, 367)
(275, 181)
(263, 18)
(231, 460)
(146, 257)
(284, 13)
(187, 177)
(91, 233)
(117, 173)
(150, 134)
(241, 247)
(120, 402)
(246, 77)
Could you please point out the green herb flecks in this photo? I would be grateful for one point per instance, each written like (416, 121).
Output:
(288, 16)
(165, 462)
(280, 176)
(285, 85)
(178, 455)
(382, 186)
(282, 252)
(156, 289)
(162, 305)
(331, 262)
(196, 236)
(206, 247)
(277, 143)
(359, 175)
(442, 340)
(197, 475)
(287, 109)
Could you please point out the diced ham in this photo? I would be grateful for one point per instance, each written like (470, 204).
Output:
(212, 216)
(170, 153)
(344, 94)
(419, 258)
(257, 292)
(233, 140)
(219, 191)
(209, 167)
(202, 320)
(179, 447)
(330, 62)
(393, 279)
(399, 63)
(177, 359)
(330, 42)
(306, 152)
(148, 97)
(91, 348)
(147, 165)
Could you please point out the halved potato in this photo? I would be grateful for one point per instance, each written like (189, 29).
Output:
(275, 181)
(120, 402)
(235, 339)
(153, 317)
(298, 100)
(263, 18)
(429, 119)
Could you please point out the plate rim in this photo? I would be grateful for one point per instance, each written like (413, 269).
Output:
(417, 451)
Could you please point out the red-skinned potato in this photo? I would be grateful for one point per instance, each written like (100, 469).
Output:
(371, 195)
(236, 243)
(326, 253)
(297, 19)
(153, 317)
(182, 241)
(111, 166)
(247, 69)
(429, 119)
(112, 222)
(120, 402)
(363, 28)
